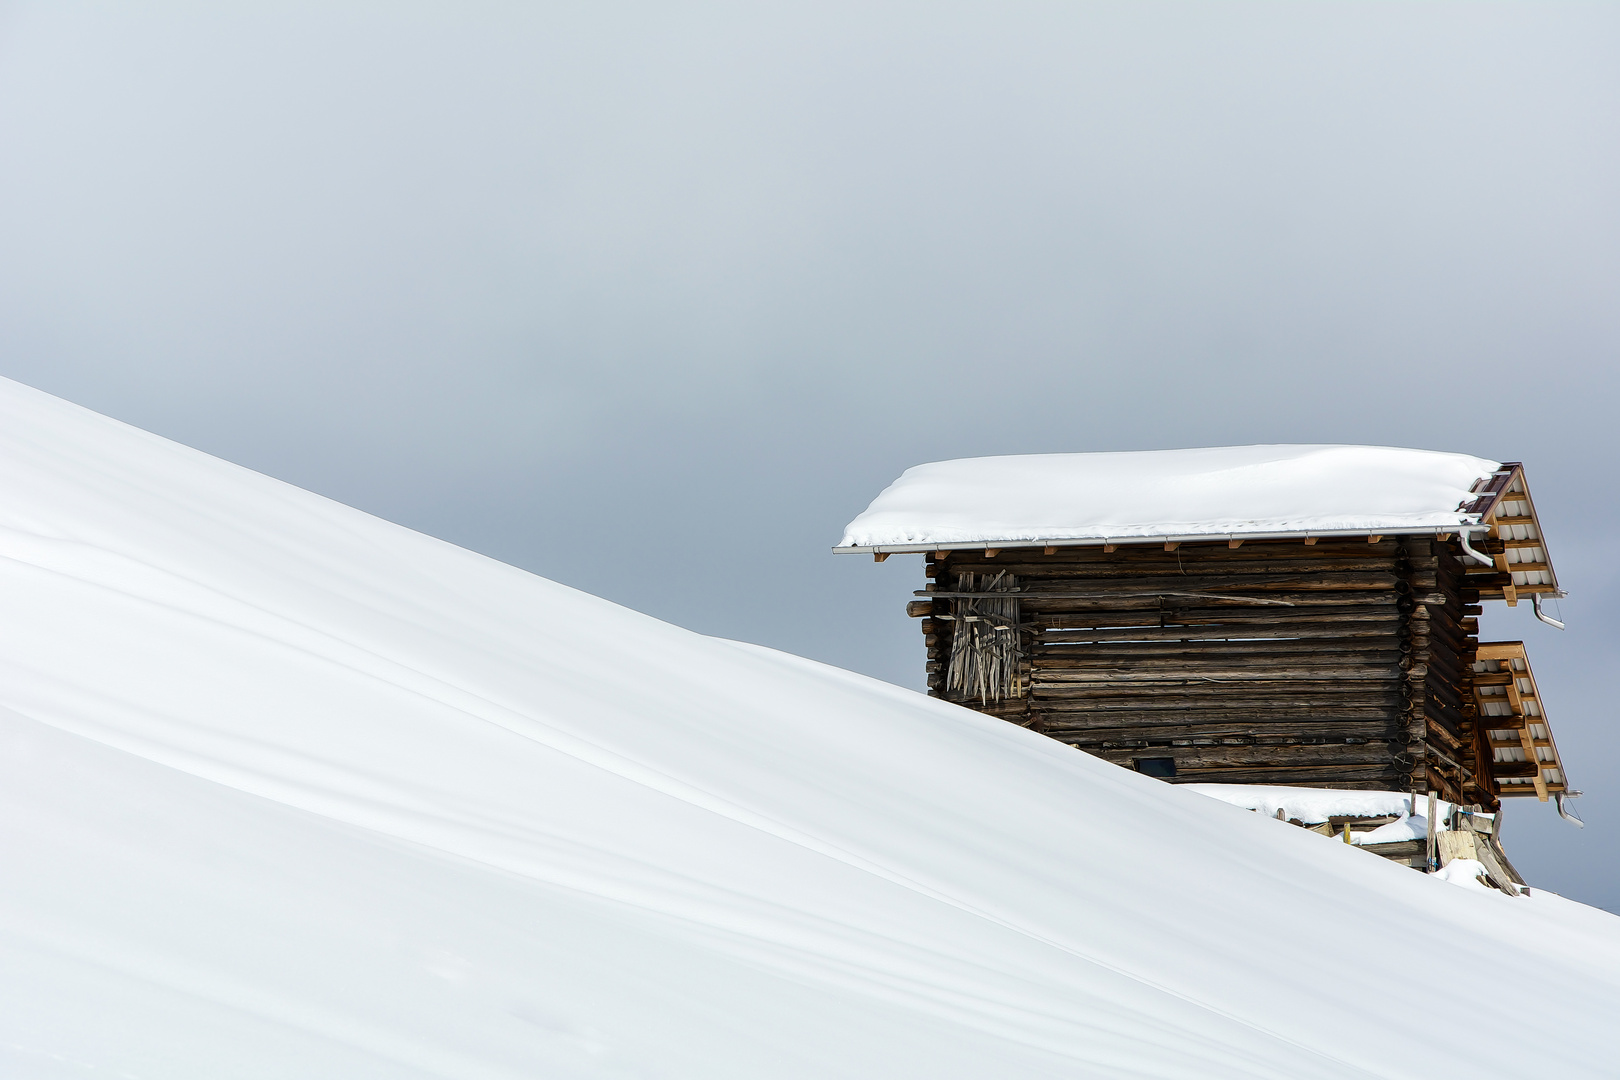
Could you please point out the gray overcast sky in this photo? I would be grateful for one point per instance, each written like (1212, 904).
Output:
(653, 299)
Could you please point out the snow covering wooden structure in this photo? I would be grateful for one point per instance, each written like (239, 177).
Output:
(1299, 615)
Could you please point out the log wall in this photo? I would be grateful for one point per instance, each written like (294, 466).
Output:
(1339, 664)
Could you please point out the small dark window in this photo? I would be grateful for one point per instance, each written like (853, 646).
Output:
(1156, 766)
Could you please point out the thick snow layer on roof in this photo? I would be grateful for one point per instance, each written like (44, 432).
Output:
(1313, 806)
(1225, 491)
(287, 791)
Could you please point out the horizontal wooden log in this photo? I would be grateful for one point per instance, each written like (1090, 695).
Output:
(1189, 758)
(1445, 693)
(1385, 631)
(1257, 652)
(1235, 733)
(1154, 614)
(1193, 658)
(1030, 585)
(1348, 777)
(1444, 654)
(1256, 718)
(1044, 674)
(1209, 609)
(1254, 721)
(1439, 735)
(1255, 694)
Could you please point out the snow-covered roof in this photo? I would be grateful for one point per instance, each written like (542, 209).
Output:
(1315, 805)
(1188, 495)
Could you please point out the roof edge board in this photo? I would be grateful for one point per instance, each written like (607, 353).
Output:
(1514, 470)
(1122, 541)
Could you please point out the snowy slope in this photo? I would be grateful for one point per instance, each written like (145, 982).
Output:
(1220, 491)
(289, 791)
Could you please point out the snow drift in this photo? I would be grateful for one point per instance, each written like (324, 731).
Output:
(289, 791)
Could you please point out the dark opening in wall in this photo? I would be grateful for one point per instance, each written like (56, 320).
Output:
(1156, 766)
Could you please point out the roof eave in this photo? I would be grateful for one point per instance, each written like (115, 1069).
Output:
(1184, 538)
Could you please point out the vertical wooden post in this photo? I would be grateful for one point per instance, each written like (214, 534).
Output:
(1431, 848)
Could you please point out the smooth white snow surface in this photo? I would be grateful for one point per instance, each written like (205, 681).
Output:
(288, 791)
(1225, 491)
(1404, 828)
(1468, 873)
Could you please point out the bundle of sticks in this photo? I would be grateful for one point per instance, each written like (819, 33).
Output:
(985, 650)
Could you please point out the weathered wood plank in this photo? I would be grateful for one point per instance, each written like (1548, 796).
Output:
(1383, 629)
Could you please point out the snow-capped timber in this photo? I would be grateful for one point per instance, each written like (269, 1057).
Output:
(1209, 643)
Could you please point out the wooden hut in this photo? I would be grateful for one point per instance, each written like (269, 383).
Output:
(1291, 615)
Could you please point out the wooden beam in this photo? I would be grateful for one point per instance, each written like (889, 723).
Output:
(1502, 650)
(991, 553)
(1109, 549)
(1234, 544)
(1374, 539)
(879, 556)
(1171, 545)
(1049, 550)
(1310, 541)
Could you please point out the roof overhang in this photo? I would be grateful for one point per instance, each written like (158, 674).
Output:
(1509, 707)
(1504, 505)
(1178, 538)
